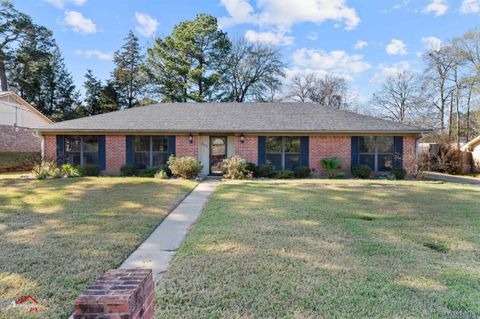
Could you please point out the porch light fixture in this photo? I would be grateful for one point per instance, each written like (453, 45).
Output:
(242, 138)
(190, 138)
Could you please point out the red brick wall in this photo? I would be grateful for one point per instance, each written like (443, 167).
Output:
(21, 141)
(50, 148)
(329, 146)
(115, 153)
(183, 147)
(249, 149)
(409, 153)
(119, 293)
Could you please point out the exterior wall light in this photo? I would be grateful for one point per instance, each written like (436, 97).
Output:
(190, 138)
(242, 138)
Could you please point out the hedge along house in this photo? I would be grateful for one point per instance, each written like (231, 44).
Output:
(284, 135)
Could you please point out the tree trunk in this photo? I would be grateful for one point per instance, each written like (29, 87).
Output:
(457, 98)
(468, 112)
(450, 112)
(3, 73)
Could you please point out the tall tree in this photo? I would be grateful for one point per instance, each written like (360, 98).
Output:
(128, 76)
(187, 65)
(399, 97)
(252, 70)
(301, 85)
(331, 91)
(93, 91)
(15, 26)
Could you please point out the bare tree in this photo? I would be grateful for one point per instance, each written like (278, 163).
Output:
(250, 69)
(331, 91)
(399, 96)
(301, 86)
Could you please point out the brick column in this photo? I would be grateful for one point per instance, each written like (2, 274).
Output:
(115, 153)
(248, 150)
(409, 154)
(50, 148)
(329, 146)
(119, 293)
(183, 147)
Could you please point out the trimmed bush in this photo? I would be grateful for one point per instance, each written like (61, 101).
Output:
(252, 169)
(161, 174)
(91, 170)
(399, 173)
(72, 171)
(361, 171)
(148, 172)
(302, 172)
(286, 174)
(331, 165)
(128, 170)
(167, 170)
(234, 167)
(264, 171)
(185, 167)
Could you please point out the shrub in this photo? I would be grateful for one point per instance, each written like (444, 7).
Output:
(251, 169)
(167, 170)
(234, 167)
(48, 169)
(331, 166)
(161, 174)
(186, 167)
(447, 160)
(361, 171)
(286, 174)
(338, 175)
(399, 173)
(148, 172)
(72, 171)
(302, 172)
(264, 171)
(128, 170)
(91, 170)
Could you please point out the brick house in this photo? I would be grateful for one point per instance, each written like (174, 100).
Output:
(284, 135)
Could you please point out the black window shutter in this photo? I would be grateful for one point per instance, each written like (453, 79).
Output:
(354, 151)
(171, 145)
(60, 150)
(262, 150)
(304, 142)
(129, 150)
(101, 152)
(398, 151)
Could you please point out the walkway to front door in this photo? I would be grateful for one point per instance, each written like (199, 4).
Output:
(158, 249)
(218, 152)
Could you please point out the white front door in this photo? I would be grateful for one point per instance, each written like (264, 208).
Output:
(204, 154)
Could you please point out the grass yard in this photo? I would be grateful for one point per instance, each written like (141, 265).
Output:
(330, 249)
(57, 236)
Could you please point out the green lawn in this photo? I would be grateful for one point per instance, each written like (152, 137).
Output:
(57, 236)
(330, 249)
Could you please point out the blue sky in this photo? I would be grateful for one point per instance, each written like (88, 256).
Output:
(362, 40)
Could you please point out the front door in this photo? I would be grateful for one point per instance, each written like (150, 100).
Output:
(218, 152)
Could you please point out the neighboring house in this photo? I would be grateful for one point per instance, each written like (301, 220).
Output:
(16, 117)
(284, 135)
(474, 147)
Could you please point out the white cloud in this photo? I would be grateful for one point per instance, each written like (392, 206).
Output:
(470, 6)
(339, 62)
(275, 38)
(312, 36)
(432, 43)
(94, 53)
(384, 71)
(396, 47)
(439, 7)
(79, 23)
(146, 25)
(62, 3)
(360, 45)
(285, 13)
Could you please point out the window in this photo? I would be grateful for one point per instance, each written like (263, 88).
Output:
(81, 150)
(283, 152)
(377, 152)
(150, 151)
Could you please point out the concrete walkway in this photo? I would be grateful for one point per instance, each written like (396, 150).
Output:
(157, 250)
(451, 178)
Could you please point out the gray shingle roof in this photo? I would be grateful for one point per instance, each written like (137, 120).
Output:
(231, 118)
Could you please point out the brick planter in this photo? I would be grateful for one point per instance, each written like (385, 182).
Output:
(118, 294)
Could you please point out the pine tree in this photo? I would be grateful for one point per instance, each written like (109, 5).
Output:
(93, 90)
(128, 78)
